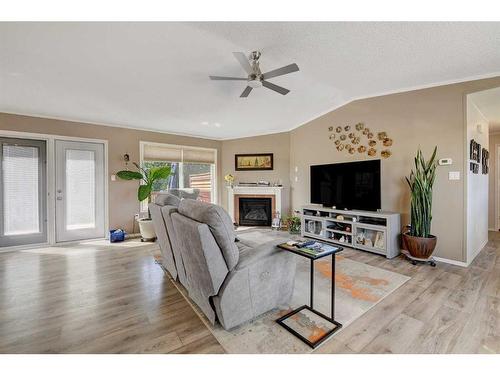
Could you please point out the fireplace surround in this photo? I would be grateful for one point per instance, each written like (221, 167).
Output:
(235, 193)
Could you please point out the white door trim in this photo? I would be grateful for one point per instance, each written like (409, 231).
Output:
(51, 201)
(497, 186)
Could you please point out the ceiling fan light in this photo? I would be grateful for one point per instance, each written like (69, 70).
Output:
(255, 83)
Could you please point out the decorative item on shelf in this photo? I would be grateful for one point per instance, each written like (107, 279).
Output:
(338, 129)
(253, 162)
(293, 224)
(368, 242)
(379, 240)
(372, 152)
(485, 161)
(360, 237)
(418, 240)
(385, 154)
(347, 128)
(229, 178)
(342, 239)
(148, 177)
(360, 126)
(340, 217)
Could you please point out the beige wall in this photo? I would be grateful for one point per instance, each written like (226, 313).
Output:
(493, 176)
(278, 144)
(421, 118)
(122, 194)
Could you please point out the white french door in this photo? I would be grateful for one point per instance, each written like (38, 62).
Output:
(79, 183)
(23, 192)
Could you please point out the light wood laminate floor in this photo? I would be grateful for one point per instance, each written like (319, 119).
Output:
(96, 298)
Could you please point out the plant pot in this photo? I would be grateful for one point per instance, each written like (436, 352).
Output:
(147, 229)
(419, 247)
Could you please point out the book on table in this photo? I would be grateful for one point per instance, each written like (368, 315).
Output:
(313, 248)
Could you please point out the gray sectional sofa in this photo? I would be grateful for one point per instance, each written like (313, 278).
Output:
(230, 280)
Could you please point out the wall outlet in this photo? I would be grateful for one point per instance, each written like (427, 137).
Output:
(453, 175)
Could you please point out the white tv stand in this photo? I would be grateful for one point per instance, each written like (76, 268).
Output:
(377, 232)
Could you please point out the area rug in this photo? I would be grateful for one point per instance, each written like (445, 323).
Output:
(359, 287)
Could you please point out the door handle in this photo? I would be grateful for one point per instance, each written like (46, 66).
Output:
(59, 198)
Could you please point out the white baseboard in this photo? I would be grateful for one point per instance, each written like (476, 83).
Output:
(452, 262)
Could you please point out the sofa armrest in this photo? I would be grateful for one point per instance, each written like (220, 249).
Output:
(252, 255)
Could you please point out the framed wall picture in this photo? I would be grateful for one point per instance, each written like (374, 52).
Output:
(253, 162)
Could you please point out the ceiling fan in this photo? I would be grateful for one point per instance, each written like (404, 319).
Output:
(255, 77)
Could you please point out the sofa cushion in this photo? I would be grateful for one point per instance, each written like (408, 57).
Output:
(166, 199)
(220, 225)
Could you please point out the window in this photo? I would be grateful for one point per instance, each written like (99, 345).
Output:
(193, 169)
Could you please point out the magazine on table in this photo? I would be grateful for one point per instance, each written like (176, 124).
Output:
(314, 248)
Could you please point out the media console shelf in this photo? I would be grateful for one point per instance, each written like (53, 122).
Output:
(377, 232)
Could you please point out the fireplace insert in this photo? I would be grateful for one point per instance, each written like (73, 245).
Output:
(255, 211)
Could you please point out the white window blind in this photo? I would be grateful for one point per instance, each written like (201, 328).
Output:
(20, 167)
(203, 156)
(178, 154)
(153, 152)
(80, 189)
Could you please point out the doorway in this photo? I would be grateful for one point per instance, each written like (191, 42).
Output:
(23, 192)
(79, 184)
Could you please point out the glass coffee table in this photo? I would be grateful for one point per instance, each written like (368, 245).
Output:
(313, 340)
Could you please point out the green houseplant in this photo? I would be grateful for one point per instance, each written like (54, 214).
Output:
(148, 177)
(293, 224)
(418, 240)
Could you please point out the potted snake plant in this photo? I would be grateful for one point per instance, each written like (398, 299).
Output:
(148, 177)
(418, 240)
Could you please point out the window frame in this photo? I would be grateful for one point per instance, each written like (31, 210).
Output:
(213, 167)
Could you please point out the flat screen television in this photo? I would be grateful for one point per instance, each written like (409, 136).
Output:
(351, 186)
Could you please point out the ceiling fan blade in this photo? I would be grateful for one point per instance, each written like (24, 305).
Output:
(281, 71)
(276, 88)
(243, 60)
(218, 78)
(245, 92)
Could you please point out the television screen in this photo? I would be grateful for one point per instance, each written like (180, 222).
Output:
(352, 186)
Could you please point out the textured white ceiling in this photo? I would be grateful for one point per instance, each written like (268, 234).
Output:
(488, 102)
(155, 75)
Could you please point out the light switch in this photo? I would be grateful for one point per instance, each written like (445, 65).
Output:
(453, 175)
(113, 177)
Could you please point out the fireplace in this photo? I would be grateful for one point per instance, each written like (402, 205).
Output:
(255, 211)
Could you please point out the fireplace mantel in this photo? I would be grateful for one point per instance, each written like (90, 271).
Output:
(275, 191)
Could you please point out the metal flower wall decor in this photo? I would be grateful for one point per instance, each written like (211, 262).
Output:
(361, 139)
